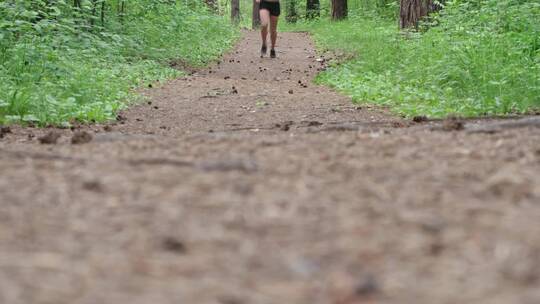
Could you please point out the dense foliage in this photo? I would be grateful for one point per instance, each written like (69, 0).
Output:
(80, 60)
(475, 58)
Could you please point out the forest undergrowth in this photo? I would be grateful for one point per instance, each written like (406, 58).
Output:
(66, 63)
(474, 58)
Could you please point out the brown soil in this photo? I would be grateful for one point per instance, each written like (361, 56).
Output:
(246, 183)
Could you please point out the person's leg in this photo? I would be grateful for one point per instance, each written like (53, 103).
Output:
(273, 34)
(273, 29)
(265, 20)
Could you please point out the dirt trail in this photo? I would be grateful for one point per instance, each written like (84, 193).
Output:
(210, 194)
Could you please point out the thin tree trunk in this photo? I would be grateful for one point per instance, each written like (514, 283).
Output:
(339, 9)
(94, 13)
(292, 15)
(255, 18)
(235, 11)
(122, 10)
(103, 13)
(77, 13)
(313, 9)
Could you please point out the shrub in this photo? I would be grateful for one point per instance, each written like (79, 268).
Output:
(59, 64)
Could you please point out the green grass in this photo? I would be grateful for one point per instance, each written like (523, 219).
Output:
(51, 74)
(481, 59)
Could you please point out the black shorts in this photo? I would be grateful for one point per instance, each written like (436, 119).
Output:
(272, 7)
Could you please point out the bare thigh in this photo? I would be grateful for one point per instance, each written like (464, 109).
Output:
(265, 17)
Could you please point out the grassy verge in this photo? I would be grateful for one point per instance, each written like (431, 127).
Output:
(55, 73)
(478, 59)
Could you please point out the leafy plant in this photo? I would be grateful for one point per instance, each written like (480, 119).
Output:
(476, 58)
(82, 60)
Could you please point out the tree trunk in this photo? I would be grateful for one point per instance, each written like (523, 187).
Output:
(412, 11)
(255, 18)
(235, 11)
(313, 9)
(292, 15)
(94, 12)
(102, 13)
(122, 11)
(339, 9)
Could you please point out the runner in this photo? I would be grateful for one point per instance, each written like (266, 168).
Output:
(269, 10)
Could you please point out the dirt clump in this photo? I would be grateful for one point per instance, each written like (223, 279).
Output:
(285, 126)
(420, 118)
(4, 130)
(367, 286)
(173, 244)
(93, 185)
(51, 138)
(453, 124)
(81, 137)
